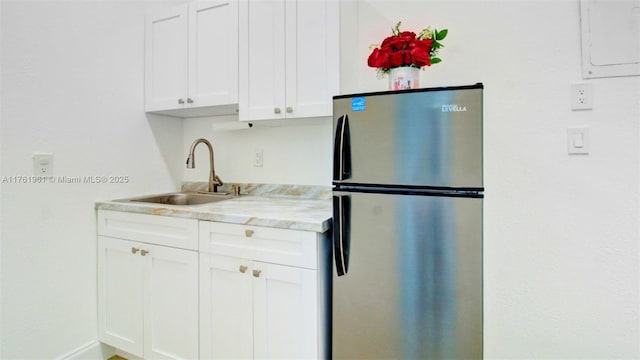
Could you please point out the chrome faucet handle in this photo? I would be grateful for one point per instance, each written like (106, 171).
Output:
(236, 189)
(217, 180)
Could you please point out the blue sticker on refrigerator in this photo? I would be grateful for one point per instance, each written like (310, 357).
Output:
(358, 104)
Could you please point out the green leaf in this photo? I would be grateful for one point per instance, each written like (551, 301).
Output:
(396, 29)
(435, 60)
(441, 34)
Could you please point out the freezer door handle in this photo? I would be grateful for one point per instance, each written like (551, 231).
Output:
(341, 232)
(342, 150)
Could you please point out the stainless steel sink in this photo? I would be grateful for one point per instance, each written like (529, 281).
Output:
(182, 198)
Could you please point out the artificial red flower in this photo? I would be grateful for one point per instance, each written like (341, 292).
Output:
(405, 48)
(379, 58)
(397, 58)
(420, 57)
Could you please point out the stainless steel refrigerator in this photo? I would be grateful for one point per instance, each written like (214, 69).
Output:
(407, 224)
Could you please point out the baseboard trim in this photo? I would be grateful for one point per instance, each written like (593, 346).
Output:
(94, 350)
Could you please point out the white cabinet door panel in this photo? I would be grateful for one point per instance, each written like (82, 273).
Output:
(166, 58)
(171, 303)
(120, 295)
(312, 66)
(213, 53)
(285, 312)
(225, 308)
(262, 60)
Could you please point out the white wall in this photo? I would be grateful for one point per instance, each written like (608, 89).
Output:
(561, 232)
(72, 84)
(299, 153)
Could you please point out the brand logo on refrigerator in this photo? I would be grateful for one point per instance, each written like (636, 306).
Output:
(453, 108)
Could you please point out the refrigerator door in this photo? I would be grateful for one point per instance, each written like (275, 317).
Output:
(407, 277)
(414, 138)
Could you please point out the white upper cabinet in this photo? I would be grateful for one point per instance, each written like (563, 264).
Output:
(289, 58)
(191, 59)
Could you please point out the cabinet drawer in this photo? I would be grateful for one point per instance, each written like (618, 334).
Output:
(154, 229)
(279, 246)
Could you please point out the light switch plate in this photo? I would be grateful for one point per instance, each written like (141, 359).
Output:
(578, 141)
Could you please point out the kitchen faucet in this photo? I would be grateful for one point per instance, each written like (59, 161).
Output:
(214, 180)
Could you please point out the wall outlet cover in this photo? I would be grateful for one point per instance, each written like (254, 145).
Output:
(42, 164)
(581, 96)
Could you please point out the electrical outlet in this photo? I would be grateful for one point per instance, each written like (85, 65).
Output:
(42, 164)
(581, 96)
(258, 157)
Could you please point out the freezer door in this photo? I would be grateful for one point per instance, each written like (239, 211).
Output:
(407, 277)
(431, 138)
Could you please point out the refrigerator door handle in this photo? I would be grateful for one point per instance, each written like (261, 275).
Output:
(342, 150)
(341, 232)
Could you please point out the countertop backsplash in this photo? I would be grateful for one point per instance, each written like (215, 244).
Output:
(267, 190)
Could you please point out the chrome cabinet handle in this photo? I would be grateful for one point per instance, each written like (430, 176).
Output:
(243, 268)
(180, 101)
(189, 100)
(134, 250)
(144, 252)
(248, 233)
(256, 273)
(289, 109)
(276, 110)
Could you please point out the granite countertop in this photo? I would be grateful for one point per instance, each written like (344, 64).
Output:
(281, 206)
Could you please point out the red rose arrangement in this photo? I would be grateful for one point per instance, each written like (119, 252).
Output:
(405, 48)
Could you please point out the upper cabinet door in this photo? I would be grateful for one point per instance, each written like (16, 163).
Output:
(312, 57)
(166, 58)
(213, 53)
(191, 59)
(289, 58)
(262, 73)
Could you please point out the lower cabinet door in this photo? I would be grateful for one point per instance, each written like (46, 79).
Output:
(170, 302)
(120, 295)
(148, 299)
(226, 318)
(284, 312)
